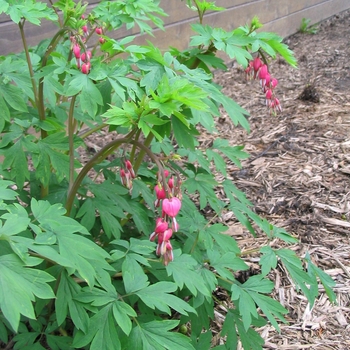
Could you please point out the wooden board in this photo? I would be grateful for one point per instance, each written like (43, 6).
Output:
(281, 16)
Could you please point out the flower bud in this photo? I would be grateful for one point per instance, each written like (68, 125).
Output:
(167, 234)
(76, 51)
(85, 68)
(268, 94)
(85, 29)
(129, 166)
(273, 83)
(171, 183)
(86, 56)
(160, 191)
(99, 31)
(161, 225)
(256, 65)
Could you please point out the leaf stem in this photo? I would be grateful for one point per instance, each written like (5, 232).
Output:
(92, 130)
(97, 158)
(71, 142)
(140, 156)
(29, 61)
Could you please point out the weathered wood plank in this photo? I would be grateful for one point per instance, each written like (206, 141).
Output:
(283, 17)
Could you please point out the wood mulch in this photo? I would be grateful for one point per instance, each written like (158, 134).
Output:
(298, 177)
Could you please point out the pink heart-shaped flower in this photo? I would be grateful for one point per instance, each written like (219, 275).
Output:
(171, 206)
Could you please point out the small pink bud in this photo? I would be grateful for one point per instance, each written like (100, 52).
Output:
(160, 192)
(168, 255)
(273, 83)
(277, 104)
(82, 16)
(257, 64)
(99, 31)
(268, 94)
(86, 56)
(161, 225)
(166, 173)
(76, 50)
(263, 72)
(171, 206)
(130, 168)
(122, 177)
(102, 40)
(171, 183)
(85, 29)
(167, 234)
(85, 68)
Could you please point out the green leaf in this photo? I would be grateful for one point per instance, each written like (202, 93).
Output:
(233, 326)
(83, 254)
(32, 11)
(121, 313)
(234, 153)
(140, 187)
(68, 289)
(226, 262)
(236, 113)
(284, 51)
(13, 96)
(155, 335)
(6, 116)
(14, 224)
(157, 296)
(102, 332)
(155, 73)
(133, 276)
(90, 97)
(270, 307)
(294, 266)
(5, 192)
(3, 6)
(268, 260)
(23, 283)
(224, 241)
(204, 37)
(326, 280)
(16, 160)
(184, 270)
(219, 161)
(57, 342)
(204, 184)
(246, 304)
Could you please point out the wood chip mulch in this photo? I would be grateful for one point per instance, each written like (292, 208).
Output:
(298, 177)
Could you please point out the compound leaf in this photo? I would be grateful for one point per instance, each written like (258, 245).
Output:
(155, 335)
(18, 286)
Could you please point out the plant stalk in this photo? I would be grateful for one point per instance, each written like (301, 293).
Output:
(71, 142)
(97, 158)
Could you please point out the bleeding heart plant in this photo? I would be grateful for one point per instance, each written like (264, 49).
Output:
(79, 266)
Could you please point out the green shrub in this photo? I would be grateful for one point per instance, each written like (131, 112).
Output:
(79, 265)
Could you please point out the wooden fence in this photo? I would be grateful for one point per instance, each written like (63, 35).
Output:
(281, 16)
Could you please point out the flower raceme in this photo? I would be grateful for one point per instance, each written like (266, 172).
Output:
(127, 174)
(79, 48)
(170, 208)
(258, 70)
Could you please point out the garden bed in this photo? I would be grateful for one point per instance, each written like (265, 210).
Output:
(298, 176)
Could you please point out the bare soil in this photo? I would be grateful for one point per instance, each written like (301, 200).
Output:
(298, 177)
